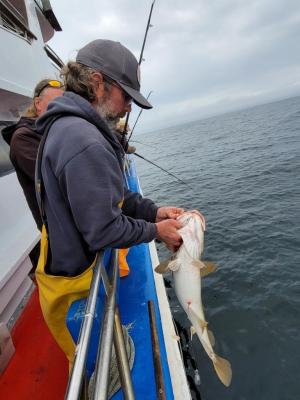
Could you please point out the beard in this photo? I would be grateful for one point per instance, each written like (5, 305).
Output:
(104, 109)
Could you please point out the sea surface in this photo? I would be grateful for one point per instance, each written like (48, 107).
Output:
(243, 172)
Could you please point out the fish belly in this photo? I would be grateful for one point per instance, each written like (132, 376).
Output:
(187, 282)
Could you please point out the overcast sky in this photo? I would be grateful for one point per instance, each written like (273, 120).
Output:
(202, 57)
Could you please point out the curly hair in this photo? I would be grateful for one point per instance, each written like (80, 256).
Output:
(78, 79)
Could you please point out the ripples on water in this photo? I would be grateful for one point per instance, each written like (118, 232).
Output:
(244, 168)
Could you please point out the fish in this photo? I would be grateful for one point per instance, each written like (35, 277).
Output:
(187, 270)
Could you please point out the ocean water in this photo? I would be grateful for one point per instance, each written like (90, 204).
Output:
(243, 171)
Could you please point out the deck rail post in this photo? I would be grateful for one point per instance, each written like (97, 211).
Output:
(78, 371)
(106, 337)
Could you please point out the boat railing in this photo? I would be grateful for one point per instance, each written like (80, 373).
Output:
(111, 329)
(53, 56)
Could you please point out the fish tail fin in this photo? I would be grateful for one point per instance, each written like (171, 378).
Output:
(223, 370)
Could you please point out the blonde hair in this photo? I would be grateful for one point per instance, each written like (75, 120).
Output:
(30, 111)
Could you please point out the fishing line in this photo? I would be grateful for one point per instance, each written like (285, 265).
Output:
(166, 171)
(144, 144)
(141, 110)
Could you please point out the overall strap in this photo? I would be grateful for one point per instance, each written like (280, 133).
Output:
(39, 185)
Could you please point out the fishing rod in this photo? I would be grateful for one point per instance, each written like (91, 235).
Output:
(140, 61)
(146, 32)
(158, 166)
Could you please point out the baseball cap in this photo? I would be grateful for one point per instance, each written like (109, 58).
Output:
(118, 63)
(46, 83)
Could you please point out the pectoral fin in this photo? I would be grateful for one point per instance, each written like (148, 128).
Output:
(163, 267)
(174, 265)
(199, 264)
(223, 370)
(206, 267)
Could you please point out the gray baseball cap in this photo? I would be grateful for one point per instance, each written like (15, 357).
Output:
(118, 63)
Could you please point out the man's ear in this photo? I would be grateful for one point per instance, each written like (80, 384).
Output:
(97, 78)
(37, 102)
(98, 83)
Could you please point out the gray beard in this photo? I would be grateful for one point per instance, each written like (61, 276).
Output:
(104, 112)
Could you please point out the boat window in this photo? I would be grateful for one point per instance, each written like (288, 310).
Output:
(19, 7)
(13, 17)
(6, 166)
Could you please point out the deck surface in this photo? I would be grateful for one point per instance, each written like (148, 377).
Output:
(38, 369)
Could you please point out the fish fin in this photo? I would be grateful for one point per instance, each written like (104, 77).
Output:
(209, 267)
(199, 264)
(211, 337)
(176, 337)
(223, 370)
(163, 267)
(193, 331)
(174, 265)
(201, 322)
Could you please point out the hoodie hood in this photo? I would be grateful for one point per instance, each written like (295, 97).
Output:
(24, 122)
(71, 104)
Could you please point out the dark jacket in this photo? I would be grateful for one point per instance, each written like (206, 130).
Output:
(84, 189)
(24, 142)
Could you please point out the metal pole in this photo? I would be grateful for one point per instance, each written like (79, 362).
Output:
(78, 370)
(104, 350)
(122, 358)
(159, 378)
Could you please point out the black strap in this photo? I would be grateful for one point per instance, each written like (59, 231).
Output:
(39, 184)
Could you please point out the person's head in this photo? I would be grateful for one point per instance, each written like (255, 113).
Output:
(45, 91)
(107, 75)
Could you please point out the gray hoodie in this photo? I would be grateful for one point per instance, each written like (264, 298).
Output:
(84, 187)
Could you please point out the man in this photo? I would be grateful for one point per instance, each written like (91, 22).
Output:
(86, 205)
(24, 141)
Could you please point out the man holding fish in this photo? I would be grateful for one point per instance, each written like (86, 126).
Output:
(85, 204)
(86, 207)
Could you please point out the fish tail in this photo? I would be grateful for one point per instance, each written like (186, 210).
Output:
(223, 370)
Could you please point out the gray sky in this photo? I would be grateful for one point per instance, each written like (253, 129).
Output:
(202, 57)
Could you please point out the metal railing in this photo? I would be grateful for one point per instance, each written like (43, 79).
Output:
(111, 328)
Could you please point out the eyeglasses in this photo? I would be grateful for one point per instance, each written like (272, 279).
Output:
(52, 83)
(127, 97)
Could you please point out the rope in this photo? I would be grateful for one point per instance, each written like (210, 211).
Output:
(115, 384)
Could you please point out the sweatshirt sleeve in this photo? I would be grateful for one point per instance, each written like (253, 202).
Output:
(23, 151)
(137, 206)
(93, 186)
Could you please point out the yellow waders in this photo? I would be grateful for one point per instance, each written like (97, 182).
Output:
(57, 293)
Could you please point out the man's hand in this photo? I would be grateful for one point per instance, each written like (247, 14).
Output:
(168, 213)
(167, 232)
